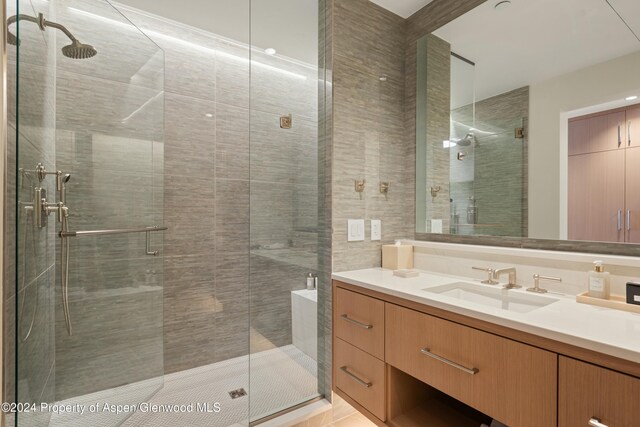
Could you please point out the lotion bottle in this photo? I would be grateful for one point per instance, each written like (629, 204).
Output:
(599, 282)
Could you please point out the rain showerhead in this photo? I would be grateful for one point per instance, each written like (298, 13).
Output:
(468, 140)
(75, 50)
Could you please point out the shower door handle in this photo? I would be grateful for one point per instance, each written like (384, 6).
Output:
(148, 245)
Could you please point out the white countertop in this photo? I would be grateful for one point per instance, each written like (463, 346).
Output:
(612, 332)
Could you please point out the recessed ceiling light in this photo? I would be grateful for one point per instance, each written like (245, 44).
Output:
(270, 51)
(208, 115)
(502, 4)
(631, 98)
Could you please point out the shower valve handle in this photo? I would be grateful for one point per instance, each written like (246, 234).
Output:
(58, 208)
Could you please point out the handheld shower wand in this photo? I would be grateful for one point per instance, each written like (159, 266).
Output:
(64, 248)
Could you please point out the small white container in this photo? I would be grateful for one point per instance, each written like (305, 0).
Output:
(599, 282)
(312, 280)
(397, 257)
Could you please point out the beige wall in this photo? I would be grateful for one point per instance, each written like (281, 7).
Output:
(550, 104)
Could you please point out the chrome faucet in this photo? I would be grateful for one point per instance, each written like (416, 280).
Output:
(512, 277)
(536, 280)
(490, 280)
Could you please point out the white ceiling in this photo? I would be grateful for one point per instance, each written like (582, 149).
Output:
(404, 8)
(533, 41)
(289, 26)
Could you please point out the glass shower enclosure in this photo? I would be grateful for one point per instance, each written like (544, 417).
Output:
(88, 215)
(166, 204)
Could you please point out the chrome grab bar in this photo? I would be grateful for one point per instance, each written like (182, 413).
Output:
(470, 371)
(109, 232)
(362, 382)
(595, 422)
(355, 322)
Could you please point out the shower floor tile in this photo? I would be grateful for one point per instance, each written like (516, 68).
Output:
(280, 378)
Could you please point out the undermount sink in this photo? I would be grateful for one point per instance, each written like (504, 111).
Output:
(492, 297)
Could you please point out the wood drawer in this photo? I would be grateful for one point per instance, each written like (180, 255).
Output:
(509, 381)
(591, 392)
(361, 376)
(359, 320)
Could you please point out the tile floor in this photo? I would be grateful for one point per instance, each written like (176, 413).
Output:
(280, 378)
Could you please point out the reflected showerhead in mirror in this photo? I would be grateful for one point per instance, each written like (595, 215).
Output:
(75, 50)
(469, 139)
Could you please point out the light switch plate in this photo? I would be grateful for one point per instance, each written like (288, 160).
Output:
(355, 230)
(376, 229)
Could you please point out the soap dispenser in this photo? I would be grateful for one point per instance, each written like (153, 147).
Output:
(599, 282)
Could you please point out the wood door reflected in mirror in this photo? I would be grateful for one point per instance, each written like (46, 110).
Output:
(527, 120)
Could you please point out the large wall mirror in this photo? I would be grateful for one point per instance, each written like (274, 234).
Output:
(528, 122)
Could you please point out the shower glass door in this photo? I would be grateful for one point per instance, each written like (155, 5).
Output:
(86, 141)
(285, 205)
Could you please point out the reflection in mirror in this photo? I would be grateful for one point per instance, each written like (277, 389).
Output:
(527, 122)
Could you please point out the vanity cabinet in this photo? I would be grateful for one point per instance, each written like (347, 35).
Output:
(427, 356)
(589, 394)
(360, 321)
(482, 370)
(358, 350)
(361, 376)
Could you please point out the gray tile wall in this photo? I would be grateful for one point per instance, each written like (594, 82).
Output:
(368, 133)
(374, 122)
(438, 96)
(499, 161)
(241, 194)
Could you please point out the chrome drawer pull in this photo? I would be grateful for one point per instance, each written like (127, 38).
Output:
(470, 371)
(362, 382)
(595, 422)
(355, 322)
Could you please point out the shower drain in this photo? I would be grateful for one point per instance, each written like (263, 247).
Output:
(235, 394)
